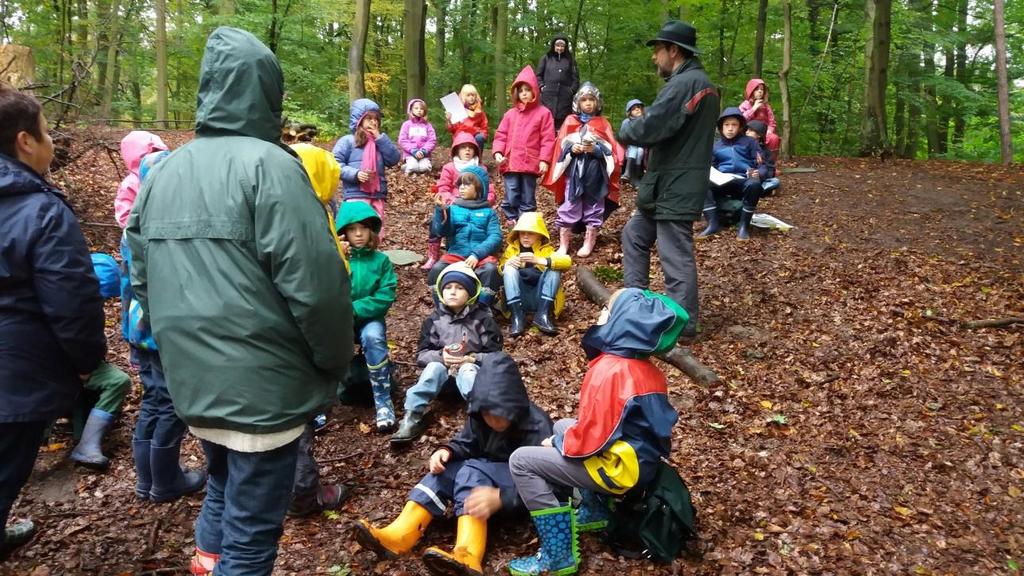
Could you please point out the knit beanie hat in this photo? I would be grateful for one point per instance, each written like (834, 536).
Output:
(760, 127)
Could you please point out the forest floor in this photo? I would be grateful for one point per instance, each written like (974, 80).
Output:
(859, 426)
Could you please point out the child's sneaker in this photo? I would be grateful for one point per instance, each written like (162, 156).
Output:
(319, 423)
(203, 563)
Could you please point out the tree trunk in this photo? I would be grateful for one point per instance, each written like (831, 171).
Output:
(925, 13)
(415, 48)
(959, 124)
(902, 85)
(762, 22)
(161, 63)
(786, 148)
(442, 32)
(17, 65)
(874, 138)
(272, 32)
(1002, 84)
(500, 41)
(357, 50)
(114, 38)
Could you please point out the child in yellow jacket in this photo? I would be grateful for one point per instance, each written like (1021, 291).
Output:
(532, 272)
(323, 170)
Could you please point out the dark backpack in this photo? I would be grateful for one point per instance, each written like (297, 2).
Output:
(655, 522)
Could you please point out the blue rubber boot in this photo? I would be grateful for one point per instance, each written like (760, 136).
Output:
(88, 452)
(143, 474)
(170, 482)
(593, 512)
(558, 554)
(743, 233)
(380, 383)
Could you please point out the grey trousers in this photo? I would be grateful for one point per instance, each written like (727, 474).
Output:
(675, 248)
(538, 471)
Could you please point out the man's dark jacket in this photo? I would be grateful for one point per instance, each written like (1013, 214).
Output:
(679, 132)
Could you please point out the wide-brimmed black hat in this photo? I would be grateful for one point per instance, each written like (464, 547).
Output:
(678, 33)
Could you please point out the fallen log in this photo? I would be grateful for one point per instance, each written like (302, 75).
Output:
(680, 356)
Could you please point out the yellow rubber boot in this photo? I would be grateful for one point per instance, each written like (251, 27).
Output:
(467, 557)
(398, 537)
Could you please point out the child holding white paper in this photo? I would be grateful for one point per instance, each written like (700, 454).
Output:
(475, 122)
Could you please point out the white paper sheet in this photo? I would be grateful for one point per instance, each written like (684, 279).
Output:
(719, 178)
(453, 105)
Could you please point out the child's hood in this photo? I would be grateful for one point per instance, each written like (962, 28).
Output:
(732, 112)
(752, 85)
(358, 109)
(588, 89)
(464, 138)
(631, 103)
(499, 389)
(529, 222)
(352, 212)
(136, 145)
(481, 174)
(760, 127)
(464, 272)
(640, 324)
(528, 77)
(108, 272)
(408, 110)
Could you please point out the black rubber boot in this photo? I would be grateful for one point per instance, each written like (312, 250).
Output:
(711, 215)
(170, 482)
(543, 320)
(743, 233)
(518, 318)
(411, 427)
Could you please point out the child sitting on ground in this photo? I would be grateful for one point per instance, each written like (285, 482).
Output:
(532, 273)
(475, 123)
(363, 156)
(471, 471)
(472, 232)
(584, 174)
(757, 130)
(523, 145)
(735, 154)
(465, 153)
(417, 138)
(374, 286)
(452, 340)
(756, 107)
(624, 429)
(633, 166)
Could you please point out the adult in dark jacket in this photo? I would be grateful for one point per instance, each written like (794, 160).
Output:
(678, 132)
(235, 263)
(471, 471)
(559, 79)
(51, 313)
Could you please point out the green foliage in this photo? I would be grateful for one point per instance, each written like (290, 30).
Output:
(607, 38)
(608, 274)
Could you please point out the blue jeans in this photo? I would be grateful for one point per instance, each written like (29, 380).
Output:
(157, 420)
(458, 480)
(480, 141)
(546, 288)
(432, 380)
(374, 340)
(748, 190)
(247, 495)
(520, 194)
(19, 446)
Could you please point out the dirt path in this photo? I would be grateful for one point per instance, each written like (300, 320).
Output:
(857, 427)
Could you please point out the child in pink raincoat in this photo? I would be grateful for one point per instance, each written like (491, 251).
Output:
(136, 145)
(756, 107)
(523, 146)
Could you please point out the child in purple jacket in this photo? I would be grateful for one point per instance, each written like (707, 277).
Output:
(417, 138)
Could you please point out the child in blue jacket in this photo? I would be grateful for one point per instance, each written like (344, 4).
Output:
(735, 154)
(363, 156)
(472, 232)
(471, 472)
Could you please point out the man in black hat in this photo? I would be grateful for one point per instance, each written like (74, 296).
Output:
(679, 131)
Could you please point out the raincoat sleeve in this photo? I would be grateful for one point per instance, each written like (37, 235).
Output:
(446, 181)
(431, 142)
(745, 109)
(125, 198)
(376, 304)
(492, 241)
(404, 142)
(292, 237)
(501, 136)
(464, 445)
(342, 151)
(389, 154)
(427, 352)
(137, 246)
(547, 135)
(67, 289)
(491, 339)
